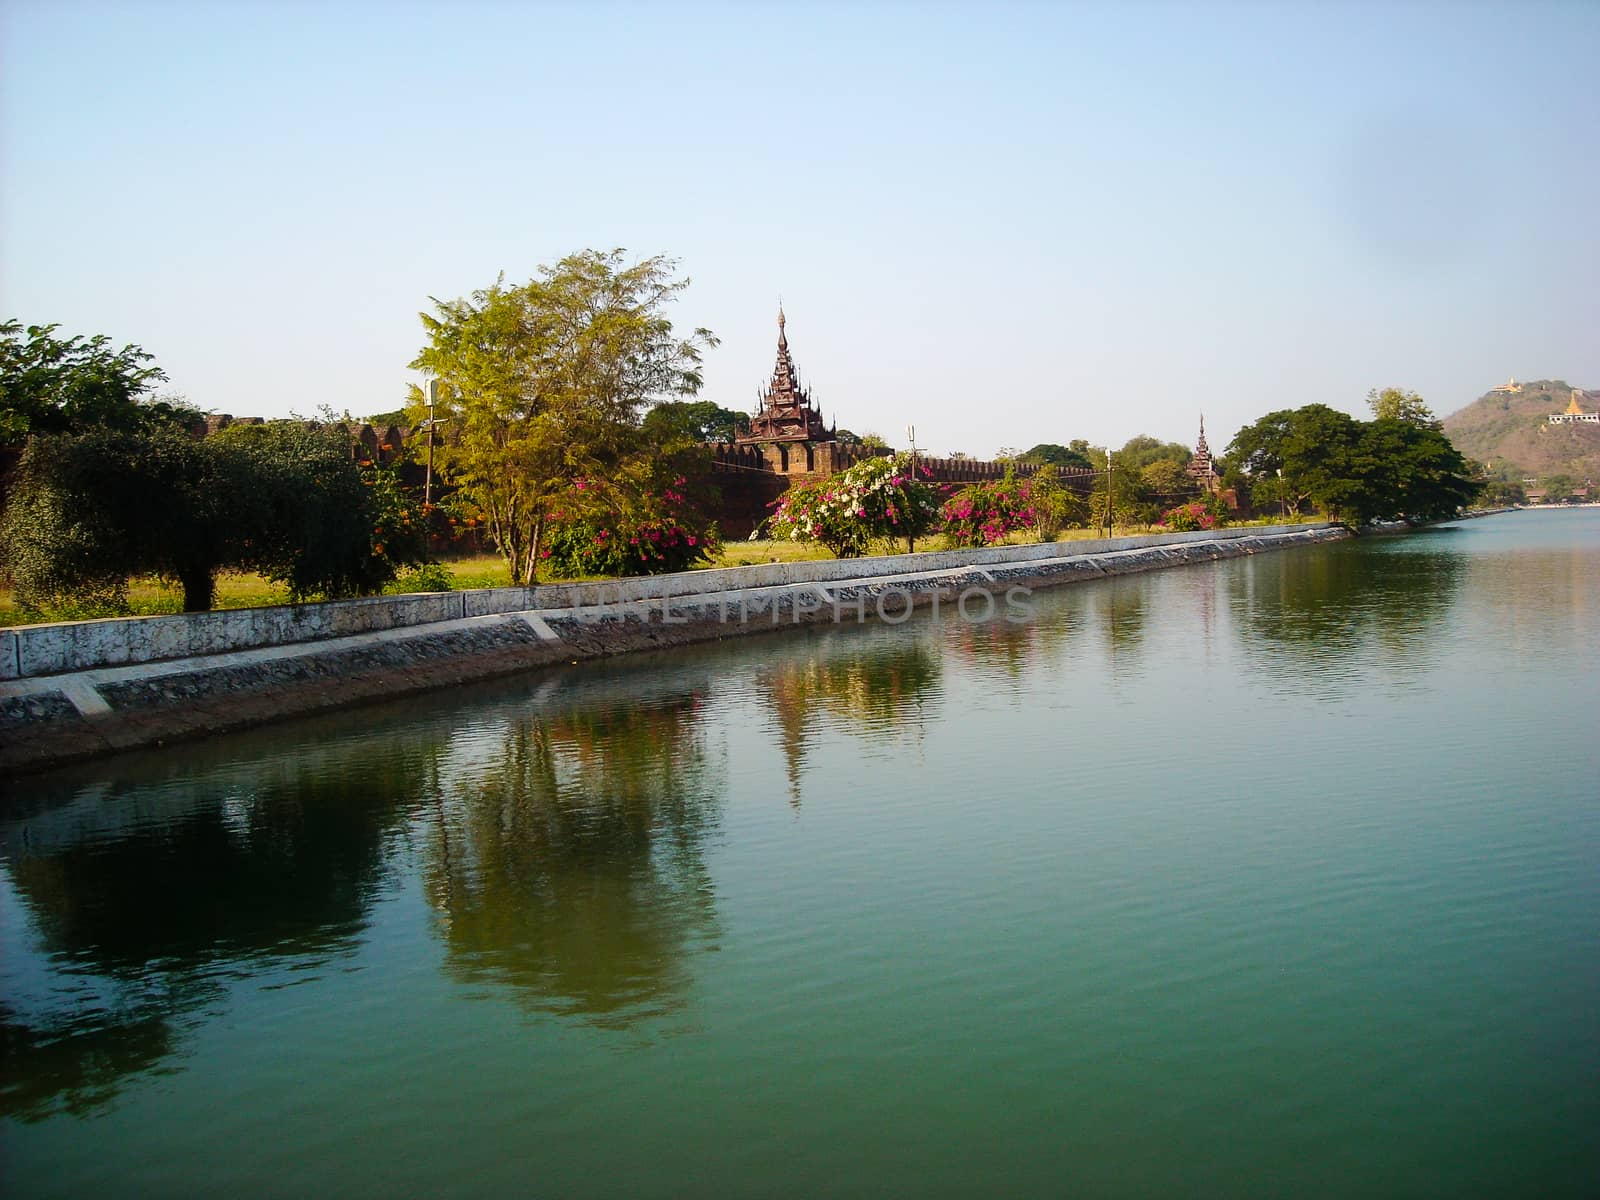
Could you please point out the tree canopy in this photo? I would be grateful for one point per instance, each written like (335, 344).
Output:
(60, 385)
(89, 510)
(1389, 468)
(542, 386)
(707, 421)
(1057, 455)
(1396, 404)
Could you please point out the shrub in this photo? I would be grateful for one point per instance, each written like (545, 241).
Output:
(611, 531)
(982, 514)
(1206, 513)
(877, 498)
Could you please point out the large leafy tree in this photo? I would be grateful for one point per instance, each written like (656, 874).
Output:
(90, 510)
(542, 386)
(1358, 471)
(50, 384)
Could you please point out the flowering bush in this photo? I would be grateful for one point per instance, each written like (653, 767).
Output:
(1197, 514)
(982, 514)
(876, 498)
(652, 534)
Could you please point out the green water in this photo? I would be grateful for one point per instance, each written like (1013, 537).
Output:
(1276, 877)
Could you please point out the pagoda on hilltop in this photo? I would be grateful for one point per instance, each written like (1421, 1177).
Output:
(786, 413)
(1574, 414)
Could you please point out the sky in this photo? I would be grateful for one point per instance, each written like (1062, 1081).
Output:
(999, 224)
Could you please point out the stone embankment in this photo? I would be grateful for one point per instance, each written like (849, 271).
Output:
(86, 688)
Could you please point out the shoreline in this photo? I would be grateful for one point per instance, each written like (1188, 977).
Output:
(128, 685)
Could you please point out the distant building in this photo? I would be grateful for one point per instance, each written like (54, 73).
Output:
(1511, 387)
(1574, 414)
(789, 444)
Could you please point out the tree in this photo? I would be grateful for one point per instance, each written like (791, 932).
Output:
(1057, 455)
(1130, 504)
(1408, 471)
(1141, 450)
(1501, 493)
(1164, 480)
(1056, 506)
(707, 421)
(653, 514)
(1396, 405)
(54, 385)
(1557, 488)
(1302, 448)
(1357, 471)
(90, 510)
(316, 520)
(542, 385)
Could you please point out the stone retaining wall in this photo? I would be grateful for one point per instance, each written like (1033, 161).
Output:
(29, 651)
(121, 704)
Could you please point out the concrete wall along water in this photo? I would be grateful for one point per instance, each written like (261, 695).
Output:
(78, 689)
(33, 650)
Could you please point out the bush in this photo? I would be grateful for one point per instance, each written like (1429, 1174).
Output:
(1206, 513)
(588, 547)
(428, 577)
(646, 530)
(982, 514)
(876, 498)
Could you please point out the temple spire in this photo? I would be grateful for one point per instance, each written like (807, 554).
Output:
(787, 413)
(1201, 466)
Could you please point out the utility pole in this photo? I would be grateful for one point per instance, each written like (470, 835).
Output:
(430, 396)
(1108, 491)
(911, 436)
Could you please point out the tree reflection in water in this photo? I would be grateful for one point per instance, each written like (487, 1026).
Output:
(569, 866)
(147, 890)
(1348, 607)
(876, 685)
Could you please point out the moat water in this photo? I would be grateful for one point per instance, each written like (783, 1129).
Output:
(1275, 877)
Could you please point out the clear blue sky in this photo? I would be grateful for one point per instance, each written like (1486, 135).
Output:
(1006, 224)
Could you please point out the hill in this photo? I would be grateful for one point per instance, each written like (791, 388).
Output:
(1508, 428)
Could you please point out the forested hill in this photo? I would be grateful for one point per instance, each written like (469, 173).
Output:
(1509, 428)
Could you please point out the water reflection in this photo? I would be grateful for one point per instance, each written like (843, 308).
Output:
(876, 684)
(567, 863)
(1346, 609)
(145, 890)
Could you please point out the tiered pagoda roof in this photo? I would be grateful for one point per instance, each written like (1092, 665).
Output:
(1201, 466)
(786, 413)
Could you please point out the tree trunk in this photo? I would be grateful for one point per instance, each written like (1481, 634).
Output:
(199, 589)
(533, 550)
